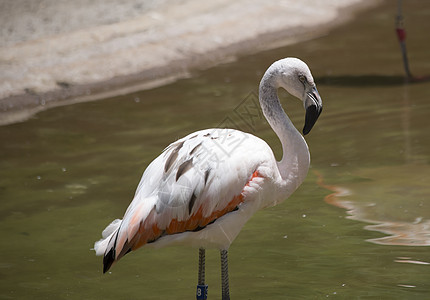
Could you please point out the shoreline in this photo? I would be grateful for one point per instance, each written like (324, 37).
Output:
(24, 103)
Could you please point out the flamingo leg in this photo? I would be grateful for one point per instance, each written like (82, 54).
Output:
(224, 275)
(202, 288)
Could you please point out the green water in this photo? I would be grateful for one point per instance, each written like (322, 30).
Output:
(67, 172)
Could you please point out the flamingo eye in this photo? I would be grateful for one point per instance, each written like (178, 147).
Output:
(302, 78)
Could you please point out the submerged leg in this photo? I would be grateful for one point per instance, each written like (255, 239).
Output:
(202, 289)
(224, 275)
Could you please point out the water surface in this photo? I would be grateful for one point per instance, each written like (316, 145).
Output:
(358, 227)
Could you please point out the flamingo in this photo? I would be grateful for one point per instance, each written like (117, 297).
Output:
(203, 188)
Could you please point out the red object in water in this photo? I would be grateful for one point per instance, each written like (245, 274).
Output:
(401, 34)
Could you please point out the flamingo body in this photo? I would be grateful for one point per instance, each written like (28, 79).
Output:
(201, 191)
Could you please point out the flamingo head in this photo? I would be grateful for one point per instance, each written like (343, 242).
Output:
(297, 79)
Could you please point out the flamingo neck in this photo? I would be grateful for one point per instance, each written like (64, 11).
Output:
(294, 164)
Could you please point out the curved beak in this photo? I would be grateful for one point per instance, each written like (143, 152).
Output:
(313, 106)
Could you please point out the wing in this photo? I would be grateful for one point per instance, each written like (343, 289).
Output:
(195, 181)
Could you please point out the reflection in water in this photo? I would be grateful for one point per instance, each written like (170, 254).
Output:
(361, 80)
(369, 80)
(406, 124)
(405, 187)
(400, 232)
(408, 260)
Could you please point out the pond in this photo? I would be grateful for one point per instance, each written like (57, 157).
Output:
(357, 228)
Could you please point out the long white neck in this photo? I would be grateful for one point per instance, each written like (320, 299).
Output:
(295, 159)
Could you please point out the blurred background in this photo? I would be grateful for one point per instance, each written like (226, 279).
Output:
(60, 52)
(357, 228)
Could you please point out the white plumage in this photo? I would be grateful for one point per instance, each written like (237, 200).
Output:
(204, 187)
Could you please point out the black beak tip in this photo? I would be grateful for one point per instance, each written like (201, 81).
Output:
(312, 114)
